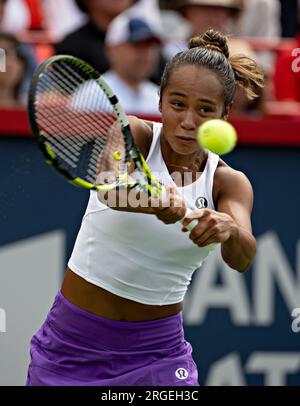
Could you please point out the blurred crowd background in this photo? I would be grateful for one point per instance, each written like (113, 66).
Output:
(131, 40)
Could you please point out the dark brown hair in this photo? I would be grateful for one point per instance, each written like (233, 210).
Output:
(211, 51)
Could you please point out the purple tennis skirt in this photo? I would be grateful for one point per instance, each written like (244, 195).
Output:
(75, 348)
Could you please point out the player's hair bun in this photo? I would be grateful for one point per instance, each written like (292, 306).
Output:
(211, 39)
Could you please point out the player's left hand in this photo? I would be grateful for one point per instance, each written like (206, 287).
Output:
(212, 227)
(172, 207)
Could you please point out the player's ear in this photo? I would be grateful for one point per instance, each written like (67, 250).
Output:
(227, 111)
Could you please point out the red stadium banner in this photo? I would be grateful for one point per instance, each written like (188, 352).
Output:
(268, 131)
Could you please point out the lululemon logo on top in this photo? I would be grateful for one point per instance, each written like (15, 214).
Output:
(201, 202)
(181, 373)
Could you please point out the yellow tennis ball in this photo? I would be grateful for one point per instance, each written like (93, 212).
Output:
(217, 136)
(117, 156)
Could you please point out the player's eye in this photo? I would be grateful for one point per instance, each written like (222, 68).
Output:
(205, 110)
(177, 104)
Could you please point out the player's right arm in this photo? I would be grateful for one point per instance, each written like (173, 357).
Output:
(170, 209)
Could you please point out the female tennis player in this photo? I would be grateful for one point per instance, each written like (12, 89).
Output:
(117, 319)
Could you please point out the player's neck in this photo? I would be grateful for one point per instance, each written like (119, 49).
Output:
(180, 166)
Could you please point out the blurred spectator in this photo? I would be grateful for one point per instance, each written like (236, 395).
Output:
(200, 16)
(133, 52)
(149, 11)
(22, 15)
(12, 79)
(16, 16)
(205, 14)
(175, 31)
(289, 20)
(87, 42)
(260, 19)
(60, 21)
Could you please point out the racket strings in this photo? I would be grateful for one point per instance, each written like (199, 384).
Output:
(57, 84)
(78, 122)
(60, 101)
(94, 92)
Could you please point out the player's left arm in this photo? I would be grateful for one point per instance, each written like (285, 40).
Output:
(230, 225)
(236, 201)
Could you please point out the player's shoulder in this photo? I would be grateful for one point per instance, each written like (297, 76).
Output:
(140, 126)
(226, 172)
(230, 180)
(142, 132)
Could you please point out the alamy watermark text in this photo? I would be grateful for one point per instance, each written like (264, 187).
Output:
(2, 60)
(2, 321)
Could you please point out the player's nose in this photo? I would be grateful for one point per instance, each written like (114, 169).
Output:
(189, 121)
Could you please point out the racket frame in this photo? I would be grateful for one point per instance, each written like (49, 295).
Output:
(152, 186)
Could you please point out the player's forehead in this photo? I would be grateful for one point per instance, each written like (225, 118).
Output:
(195, 82)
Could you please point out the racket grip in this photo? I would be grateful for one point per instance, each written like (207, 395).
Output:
(190, 226)
(193, 224)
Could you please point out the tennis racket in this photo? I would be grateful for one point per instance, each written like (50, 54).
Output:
(83, 131)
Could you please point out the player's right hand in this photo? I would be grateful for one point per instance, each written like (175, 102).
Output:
(171, 207)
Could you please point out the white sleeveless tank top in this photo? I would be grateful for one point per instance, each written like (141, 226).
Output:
(135, 255)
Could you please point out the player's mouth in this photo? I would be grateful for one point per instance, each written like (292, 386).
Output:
(186, 140)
